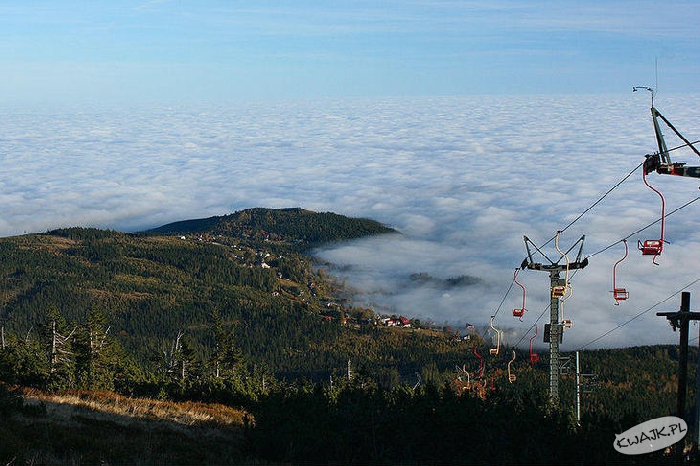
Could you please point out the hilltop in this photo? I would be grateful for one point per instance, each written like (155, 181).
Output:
(292, 226)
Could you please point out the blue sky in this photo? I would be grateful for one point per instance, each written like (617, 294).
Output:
(171, 50)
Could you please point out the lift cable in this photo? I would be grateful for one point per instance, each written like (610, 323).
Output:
(642, 229)
(505, 296)
(600, 199)
(688, 144)
(535, 323)
(638, 315)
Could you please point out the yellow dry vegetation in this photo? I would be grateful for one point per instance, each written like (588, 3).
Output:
(114, 407)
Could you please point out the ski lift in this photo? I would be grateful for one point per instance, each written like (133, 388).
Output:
(619, 294)
(462, 385)
(661, 161)
(511, 376)
(559, 291)
(565, 323)
(654, 247)
(481, 363)
(498, 338)
(534, 357)
(519, 312)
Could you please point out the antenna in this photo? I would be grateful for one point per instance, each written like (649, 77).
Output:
(656, 73)
(645, 88)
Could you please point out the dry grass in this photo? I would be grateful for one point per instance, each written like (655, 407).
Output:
(86, 428)
(122, 409)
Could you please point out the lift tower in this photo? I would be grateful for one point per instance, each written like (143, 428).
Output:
(558, 290)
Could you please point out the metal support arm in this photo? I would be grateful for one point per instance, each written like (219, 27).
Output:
(661, 161)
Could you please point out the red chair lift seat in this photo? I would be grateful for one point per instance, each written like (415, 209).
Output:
(519, 313)
(620, 294)
(534, 357)
(652, 247)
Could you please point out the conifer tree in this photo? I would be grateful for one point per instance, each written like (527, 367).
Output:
(22, 361)
(59, 342)
(96, 353)
(227, 359)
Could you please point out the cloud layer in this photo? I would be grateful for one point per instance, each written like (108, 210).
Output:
(462, 179)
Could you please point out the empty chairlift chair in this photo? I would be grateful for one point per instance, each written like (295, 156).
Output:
(511, 376)
(560, 291)
(497, 349)
(519, 312)
(619, 294)
(654, 247)
(534, 357)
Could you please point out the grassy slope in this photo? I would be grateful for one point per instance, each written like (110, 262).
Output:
(105, 428)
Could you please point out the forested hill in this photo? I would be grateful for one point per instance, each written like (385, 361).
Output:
(230, 310)
(294, 225)
(242, 275)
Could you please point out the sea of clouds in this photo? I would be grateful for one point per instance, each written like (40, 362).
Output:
(462, 179)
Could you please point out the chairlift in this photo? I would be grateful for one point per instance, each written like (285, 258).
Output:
(534, 357)
(654, 247)
(619, 294)
(559, 291)
(511, 376)
(461, 385)
(519, 312)
(481, 364)
(498, 338)
(565, 323)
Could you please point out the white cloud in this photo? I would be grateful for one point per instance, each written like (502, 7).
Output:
(463, 179)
